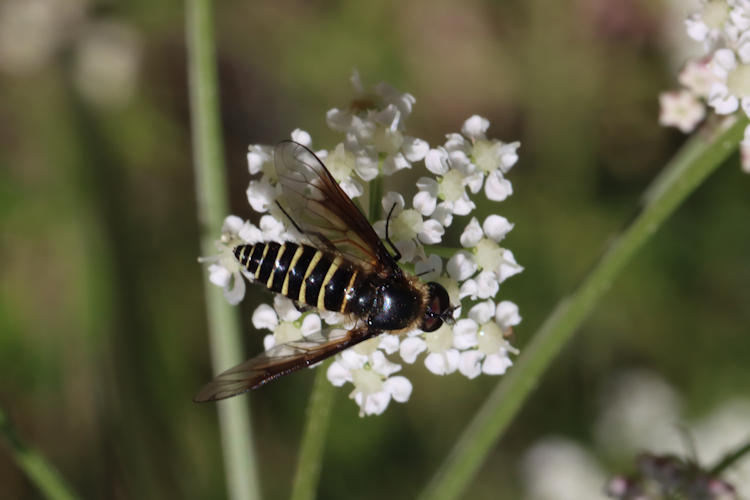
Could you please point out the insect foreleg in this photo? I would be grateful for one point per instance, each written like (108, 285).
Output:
(397, 254)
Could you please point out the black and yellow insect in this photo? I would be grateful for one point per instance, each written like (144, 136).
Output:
(343, 267)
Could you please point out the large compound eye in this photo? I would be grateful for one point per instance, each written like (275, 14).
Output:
(437, 303)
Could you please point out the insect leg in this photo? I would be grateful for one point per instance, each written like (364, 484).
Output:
(289, 217)
(397, 255)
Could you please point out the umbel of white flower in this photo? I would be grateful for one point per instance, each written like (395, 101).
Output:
(455, 175)
(720, 79)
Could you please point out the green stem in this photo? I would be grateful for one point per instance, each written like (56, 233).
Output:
(375, 192)
(729, 460)
(699, 158)
(223, 325)
(313, 440)
(39, 471)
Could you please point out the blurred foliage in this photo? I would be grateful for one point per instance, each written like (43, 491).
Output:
(102, 330)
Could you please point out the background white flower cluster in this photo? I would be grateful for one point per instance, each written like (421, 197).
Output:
(720, 79)
(640, 411)
(375, 143)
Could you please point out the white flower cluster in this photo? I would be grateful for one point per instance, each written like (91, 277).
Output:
(375, 144)
(719, 80)
(638, 414)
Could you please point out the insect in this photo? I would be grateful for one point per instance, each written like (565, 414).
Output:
(343, 266)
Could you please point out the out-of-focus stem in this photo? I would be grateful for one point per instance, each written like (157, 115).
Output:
(310, 456)
(210, 181)
(689, 168)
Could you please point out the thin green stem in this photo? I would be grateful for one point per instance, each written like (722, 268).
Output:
(699, 158)
(313, 440)
(210, 181)
(39, 471)
(729, 460)
(375, 188)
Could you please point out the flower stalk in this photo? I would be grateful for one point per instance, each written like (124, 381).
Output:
(223, 325)
(700, 156)
(310, 457)
(729, 460)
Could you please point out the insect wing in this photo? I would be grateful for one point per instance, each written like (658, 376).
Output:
(280, 360)
(323, 211)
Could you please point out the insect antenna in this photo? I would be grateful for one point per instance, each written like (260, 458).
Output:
(397, 255)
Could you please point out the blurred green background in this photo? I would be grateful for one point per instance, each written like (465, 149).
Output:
(103, 337)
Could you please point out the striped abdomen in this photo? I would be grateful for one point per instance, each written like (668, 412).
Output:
(302, 273)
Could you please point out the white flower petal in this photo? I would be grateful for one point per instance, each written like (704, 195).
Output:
(352, 188)
(390, 199)
(696, 28)
(285, 308)
(236, 292)
(415, 149)
(381, 365)
(352, 359)
(506, 314)
(408, 249)
(265, 318)
(310, 325)
(509, 156)
(475, 127)
(232, 224)
(338, 374)
(436, 161)
(482, 312)
(299, 135)
(425, 202)
(442, 363)
(410, 348)
(443, 214)
(429, 269)
(497, 188)
(496, 364)
(496, 227)
(394, 163)
(472, 234)
(257, 157)
(338, 120)
(468, 289)
(723, 61)
(474, 182)
(269, 341)
(219, 275)
(399, 388)
(431, 233)
(463, 206)
(250, 233)
(461, 266)
(366, 166)
(373, 404)
(508, 266)
(487, 285)
(465, 334)
(389, 343)
(260, 194)
(469, 364)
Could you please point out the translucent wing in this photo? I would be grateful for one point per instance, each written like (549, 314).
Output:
(280, 360)
(321, 209)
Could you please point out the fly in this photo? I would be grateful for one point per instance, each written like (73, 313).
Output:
(342, 266)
